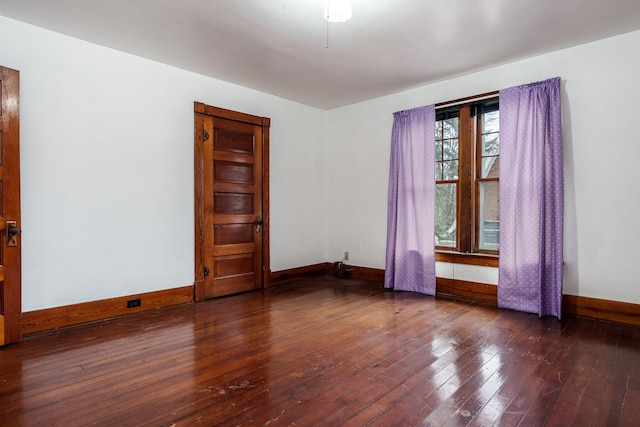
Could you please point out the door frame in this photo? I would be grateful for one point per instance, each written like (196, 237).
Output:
(11, 286)
(202, 109)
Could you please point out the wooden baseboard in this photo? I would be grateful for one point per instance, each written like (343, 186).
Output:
(366, 273)
(468, 290)
(75, 314)
(601, 309)
(293, 274)
(614, 311)
(69, 315)
(444, 287)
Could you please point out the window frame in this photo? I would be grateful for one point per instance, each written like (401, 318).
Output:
(467, 249)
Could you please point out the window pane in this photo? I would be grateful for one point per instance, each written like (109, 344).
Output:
(446, 215)
(489, 216)
(491, 122)
(439, 130)
(438, 151)
(450, 149)
(490, 167)
(438, 171)
(450, 127)
(450, 170)
(491, 144)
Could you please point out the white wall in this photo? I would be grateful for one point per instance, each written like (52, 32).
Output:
(107, 169)
(600, 84)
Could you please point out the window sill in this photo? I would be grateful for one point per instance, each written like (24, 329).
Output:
(485, 260)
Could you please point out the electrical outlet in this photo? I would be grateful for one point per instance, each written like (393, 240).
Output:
(346, 256)
(132, 303)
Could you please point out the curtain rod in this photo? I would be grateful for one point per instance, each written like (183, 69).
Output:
(479, 97)
(458, 101)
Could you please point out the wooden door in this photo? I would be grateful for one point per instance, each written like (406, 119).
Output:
(231, 207)
(10, 269)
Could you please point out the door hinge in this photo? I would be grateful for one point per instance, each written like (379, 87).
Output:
(206, 271)
(205, 135)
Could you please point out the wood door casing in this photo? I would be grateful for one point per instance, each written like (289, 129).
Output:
(231, 193)
(10, 257)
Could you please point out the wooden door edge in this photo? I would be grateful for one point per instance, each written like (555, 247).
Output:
(11, 295)
(198, 183)
(266, 254)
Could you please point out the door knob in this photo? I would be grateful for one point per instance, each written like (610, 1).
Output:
(12, 231)
(258, 224)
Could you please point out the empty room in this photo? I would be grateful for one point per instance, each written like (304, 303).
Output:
(319, 212)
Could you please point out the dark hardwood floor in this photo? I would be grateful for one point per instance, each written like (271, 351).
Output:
(329, 352)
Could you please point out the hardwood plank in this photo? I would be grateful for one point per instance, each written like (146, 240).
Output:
(427, 412)
(325, 351)
(631, 411)
(531, 404)
(614, 393)
(584, 403)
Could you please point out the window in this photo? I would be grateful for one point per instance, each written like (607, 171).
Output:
(467, 157)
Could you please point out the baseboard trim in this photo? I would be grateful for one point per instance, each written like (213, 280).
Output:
(60, 317)
(444, 287)
(50, 319)
(292, 274)
(468, 290)
(600, 309)
(367, 273)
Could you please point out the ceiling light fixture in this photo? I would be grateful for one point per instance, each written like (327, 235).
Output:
(338, 11)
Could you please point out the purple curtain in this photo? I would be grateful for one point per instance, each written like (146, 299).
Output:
(531, 199)
(410, 262)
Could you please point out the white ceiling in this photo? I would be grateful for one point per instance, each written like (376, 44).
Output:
(280, 46)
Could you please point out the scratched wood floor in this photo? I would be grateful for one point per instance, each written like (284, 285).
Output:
(326, 352)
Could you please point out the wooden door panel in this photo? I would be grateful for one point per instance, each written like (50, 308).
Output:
(232, 171)
(233, 203)
(234, 139)
(223, 250)
(233, 233)
(231, 188)
(231, 285)
(234, 157)
(233, 265)
(235, 219)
